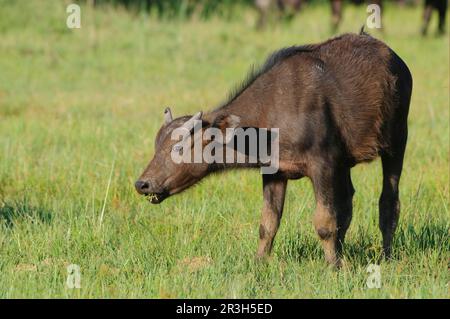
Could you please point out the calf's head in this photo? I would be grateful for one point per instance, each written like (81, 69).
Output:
(163, 176)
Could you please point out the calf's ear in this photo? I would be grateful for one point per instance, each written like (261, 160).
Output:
(229, 121)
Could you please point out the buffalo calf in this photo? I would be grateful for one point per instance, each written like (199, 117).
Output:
(335, 104)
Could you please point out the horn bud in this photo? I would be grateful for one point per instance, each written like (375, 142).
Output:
(167, 115)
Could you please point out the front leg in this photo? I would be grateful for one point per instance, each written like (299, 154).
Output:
(274, 190)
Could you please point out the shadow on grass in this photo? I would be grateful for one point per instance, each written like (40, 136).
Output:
(12, 211)
(409, 240)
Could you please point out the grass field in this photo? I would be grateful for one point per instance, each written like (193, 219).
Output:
(79, 110)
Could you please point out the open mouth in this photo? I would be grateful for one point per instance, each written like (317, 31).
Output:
(155, 198)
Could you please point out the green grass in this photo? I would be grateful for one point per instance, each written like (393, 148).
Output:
(79, 110)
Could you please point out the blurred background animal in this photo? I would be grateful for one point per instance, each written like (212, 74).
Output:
(441, 7)
(286, 8)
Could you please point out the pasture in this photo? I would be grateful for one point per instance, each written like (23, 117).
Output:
(79, 110)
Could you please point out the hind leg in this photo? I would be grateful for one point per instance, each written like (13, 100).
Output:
(389, 204)
(334, 192)
(345, 209)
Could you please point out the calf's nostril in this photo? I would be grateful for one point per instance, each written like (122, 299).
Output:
(141, 186)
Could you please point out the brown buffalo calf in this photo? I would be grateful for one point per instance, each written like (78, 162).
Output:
(336, 104)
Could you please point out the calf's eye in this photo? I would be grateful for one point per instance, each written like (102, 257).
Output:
(177, 148)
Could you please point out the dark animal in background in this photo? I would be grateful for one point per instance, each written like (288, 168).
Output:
(441, 7)
(285, 7)
(336, 104)
(265, 6)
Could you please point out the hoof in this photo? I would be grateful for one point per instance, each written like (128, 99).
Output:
(262, 258)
